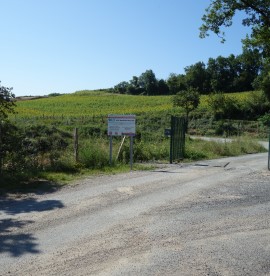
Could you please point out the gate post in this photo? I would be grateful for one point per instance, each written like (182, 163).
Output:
(171, 139)
(177, 142)
(269, 151)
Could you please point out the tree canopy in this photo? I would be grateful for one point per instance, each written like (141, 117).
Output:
(220, 14)
(187, 99)
(6, 101)
(145, 84)
(228, 74)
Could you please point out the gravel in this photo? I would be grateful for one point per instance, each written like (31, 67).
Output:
(207, 218)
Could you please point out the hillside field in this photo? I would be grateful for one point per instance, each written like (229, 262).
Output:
(98, 103)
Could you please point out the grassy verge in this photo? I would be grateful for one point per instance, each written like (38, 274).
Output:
(197, 149)
(50, 181)
(94, 161)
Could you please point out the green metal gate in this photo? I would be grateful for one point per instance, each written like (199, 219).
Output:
(177, 146)
(269, 152)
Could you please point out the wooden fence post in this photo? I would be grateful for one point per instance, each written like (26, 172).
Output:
(1, 158)
(76, 144)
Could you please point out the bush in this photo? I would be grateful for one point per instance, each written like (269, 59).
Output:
(94, 154)
(66, 163)
(265, 119)
(225, 128)
(145, 151)
(32, 148)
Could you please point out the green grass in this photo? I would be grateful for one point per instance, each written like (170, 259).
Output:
(237, 96)
(150, 146)
(197, 149)
(90, 109)
(98, 103)
(48, 181)
(89, 103)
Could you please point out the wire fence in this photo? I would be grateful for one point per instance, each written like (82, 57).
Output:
(151, 126)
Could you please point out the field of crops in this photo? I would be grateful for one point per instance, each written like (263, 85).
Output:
(88, 111)
(46, 125)
(238, 97)
(100, 103)
(92, 104)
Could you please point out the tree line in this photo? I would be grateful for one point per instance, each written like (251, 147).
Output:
(248, 71)
(227, 74)
(256, 15)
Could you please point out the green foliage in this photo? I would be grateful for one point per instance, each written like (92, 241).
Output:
(6, 102)
(86, 103)
(250, 106)
(266, 85)
(223, 106)
(225, 128)
(220, 14)
(197, 77)
(145, 84)
(197, 149)
(94, 154)
(10, 143)
(145, 150)
(265, 120)
(32, 148)
(187, 99)
(39, 146)
(176, 83)
(54, 94)
(8, 132)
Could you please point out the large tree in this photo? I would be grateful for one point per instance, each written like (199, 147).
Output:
(148, 83)
(6, 129)
(221, 73)
(176, 83)
(220, 14)
(188, 100)
(6, 101)
(198, 77)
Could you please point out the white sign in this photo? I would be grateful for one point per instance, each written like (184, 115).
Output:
(120, 125)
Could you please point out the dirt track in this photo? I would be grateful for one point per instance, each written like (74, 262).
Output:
(209, 218)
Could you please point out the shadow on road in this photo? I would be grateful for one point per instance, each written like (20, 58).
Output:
(37, 186)
(19, 243)
(27, 205)
(14, 238)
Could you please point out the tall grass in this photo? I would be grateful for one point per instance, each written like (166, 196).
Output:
(197, 149)
(94, 153)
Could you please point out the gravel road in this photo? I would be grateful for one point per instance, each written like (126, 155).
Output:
(205, 218)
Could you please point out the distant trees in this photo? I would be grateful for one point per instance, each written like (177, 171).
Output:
(244, 72)
(220, 14)
(226, 74)
(197, 76)
(145, 84)
(176, 83)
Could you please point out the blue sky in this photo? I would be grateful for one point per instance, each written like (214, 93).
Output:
(68, 45)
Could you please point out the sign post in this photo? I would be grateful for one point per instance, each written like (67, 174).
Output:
(122, 125)
(269, 152)
(131, 152)
(110, 150)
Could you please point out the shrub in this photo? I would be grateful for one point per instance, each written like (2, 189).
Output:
(94, 154)
(265, 119)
